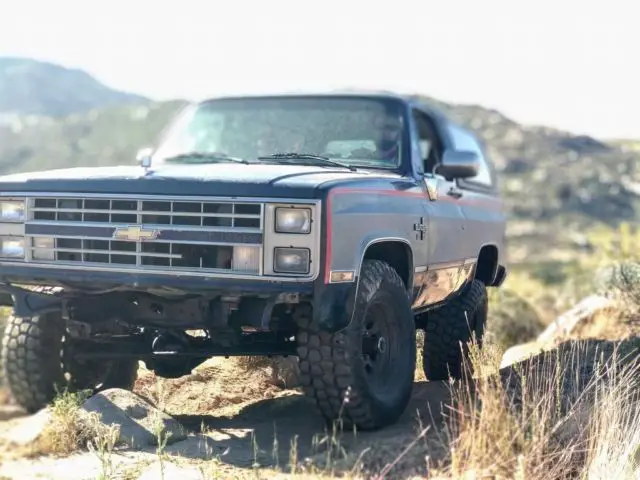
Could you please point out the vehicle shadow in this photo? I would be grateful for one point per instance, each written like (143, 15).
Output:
(272, 432)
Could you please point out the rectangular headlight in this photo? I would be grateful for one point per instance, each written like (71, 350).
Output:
(12, 211)
(293, 220)
(12, 247)
(291, 260)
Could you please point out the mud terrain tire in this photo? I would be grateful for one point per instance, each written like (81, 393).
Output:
(363, 375)
(450, 325)
(34, 366)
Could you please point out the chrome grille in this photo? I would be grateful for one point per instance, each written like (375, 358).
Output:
(158, 212)
(216, 236)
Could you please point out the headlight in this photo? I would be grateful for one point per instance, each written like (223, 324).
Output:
(12, 247)
(11, 211)
(291, 260)
(293, 220)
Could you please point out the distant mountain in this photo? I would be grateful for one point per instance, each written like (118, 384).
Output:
(31, 87)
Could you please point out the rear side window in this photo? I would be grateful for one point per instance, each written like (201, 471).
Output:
(464, 140)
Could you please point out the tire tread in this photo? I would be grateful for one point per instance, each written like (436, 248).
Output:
(447, 327)
(326, 360)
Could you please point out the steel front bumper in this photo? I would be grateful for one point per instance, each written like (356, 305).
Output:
(333, 304)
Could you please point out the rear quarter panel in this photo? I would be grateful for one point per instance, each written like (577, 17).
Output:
(485, 223)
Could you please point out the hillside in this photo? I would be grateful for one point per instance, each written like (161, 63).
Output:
(30, 87)
(558, 186)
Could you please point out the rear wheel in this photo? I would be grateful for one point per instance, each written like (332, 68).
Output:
(363, 375)
(449, 329)
(36, 363)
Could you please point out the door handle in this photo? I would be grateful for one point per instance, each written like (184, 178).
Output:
(454, 192)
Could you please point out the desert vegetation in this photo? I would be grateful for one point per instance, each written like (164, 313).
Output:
(568, 409)
(565, 407)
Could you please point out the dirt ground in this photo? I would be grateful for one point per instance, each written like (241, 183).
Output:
(239, 421)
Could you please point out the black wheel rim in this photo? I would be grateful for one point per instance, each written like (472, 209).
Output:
(380, 348)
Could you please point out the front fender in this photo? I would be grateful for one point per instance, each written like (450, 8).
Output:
(334, 302)
(333, 306)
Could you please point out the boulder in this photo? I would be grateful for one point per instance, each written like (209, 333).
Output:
(138, 420)
(567, 322)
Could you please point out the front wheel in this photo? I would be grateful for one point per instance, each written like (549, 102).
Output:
(363, 375)
(36, 365)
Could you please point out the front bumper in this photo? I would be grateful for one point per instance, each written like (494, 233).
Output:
(95, 280)
(333, 304)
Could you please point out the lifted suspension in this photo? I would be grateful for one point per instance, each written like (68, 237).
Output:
(138, 346)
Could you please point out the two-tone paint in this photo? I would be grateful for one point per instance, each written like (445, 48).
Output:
(443, 228)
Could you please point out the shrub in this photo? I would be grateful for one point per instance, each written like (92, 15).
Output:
(512, 319)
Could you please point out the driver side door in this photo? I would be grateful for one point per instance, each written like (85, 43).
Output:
(443, 208)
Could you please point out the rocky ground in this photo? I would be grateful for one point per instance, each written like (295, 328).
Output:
(233, 418)
(233, 423)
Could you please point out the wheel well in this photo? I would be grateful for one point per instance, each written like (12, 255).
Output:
(487, 264)
(396, 254)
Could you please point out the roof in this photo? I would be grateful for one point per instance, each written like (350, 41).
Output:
(315, 93)
(354, 92)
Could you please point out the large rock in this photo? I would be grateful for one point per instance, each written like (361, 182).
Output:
(562, 326)
(520, 352)
(137, 419)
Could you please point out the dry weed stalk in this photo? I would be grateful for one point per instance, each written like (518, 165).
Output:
(614, 428)
(70, 428)
(546, 418)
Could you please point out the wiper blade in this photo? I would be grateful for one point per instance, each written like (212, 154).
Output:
(204, 157)
(306, 156)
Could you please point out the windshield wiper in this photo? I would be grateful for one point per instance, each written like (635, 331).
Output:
(306, 156)
(204, 157)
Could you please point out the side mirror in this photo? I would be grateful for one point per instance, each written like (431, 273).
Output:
(459, 164)
(143, 157)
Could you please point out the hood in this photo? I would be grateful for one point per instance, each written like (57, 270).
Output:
(222, 179)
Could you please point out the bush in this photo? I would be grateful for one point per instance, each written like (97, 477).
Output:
(623, 277)
(512, 319)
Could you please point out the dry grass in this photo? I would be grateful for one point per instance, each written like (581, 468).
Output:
(545, 418)
(216, 384)
(71, 428)
(620, 321)
(568, 413)
(5, 396)
(571, 412)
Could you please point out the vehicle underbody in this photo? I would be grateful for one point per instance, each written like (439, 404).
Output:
(171, 334)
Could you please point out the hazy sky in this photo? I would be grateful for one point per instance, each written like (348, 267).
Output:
(566, 63)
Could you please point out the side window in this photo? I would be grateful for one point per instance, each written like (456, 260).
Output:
(428, 141)
(463, 140)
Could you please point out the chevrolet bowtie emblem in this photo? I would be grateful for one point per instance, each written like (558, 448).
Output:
(135, 233)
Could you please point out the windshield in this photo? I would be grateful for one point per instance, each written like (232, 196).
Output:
(354, 131)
